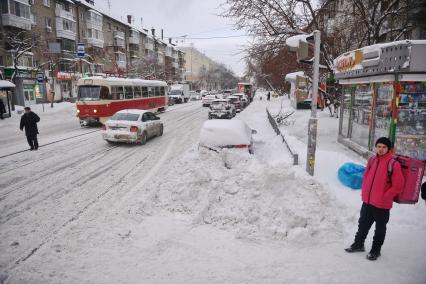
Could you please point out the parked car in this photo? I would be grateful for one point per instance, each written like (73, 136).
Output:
(236, 102)
(132, 126)
(194, 96)
(218, 134)
(243, 99)
(221, 108)
(207, 100)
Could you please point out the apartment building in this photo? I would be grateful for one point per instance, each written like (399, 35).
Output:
(195, 62)
(55, 28)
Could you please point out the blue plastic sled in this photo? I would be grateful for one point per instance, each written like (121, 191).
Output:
(350, 174)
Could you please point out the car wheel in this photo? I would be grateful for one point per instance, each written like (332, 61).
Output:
(144, 137)
(110, 142)
(161, 130)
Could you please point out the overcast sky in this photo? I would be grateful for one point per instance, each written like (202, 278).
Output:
(194, 18)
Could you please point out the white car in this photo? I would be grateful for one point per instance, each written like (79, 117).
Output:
(132, 126)
(217, 134)
(207, 100)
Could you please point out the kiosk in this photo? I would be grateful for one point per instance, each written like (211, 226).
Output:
(384, 94)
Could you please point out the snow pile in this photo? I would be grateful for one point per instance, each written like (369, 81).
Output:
(233, 190)
(291, 77)
(217, 133)
(294, 40)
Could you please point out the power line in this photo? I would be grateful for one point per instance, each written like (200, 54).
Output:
(213, 37)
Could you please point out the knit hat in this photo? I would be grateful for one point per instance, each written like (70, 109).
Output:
(385, 141)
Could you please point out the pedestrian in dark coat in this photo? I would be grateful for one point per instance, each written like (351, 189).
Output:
(268, 96)
(378, 191)
(2, 108)
(29, 121)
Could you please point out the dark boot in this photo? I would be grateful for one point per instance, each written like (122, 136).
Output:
(355, 248)
(373, 255)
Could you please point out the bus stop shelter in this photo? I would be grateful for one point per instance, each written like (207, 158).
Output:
(6, 87)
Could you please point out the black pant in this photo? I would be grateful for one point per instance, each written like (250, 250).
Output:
(368, 215)
(32, 141)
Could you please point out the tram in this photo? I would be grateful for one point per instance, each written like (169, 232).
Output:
(100, 97)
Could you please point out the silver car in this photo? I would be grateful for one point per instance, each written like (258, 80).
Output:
(132, 126)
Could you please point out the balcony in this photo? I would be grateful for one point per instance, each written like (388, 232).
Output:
(10, 20)
(64, 14)
(68, 31)
(95, 42)
(118, 35)
(134, 40)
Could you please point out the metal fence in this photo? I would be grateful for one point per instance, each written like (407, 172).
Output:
(277, 130)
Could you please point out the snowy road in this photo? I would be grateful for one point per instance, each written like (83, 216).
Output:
(43, 193)
(82, 211)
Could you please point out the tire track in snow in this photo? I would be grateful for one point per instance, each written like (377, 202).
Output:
(157, 166)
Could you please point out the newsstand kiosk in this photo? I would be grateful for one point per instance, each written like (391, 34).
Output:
(384, 94)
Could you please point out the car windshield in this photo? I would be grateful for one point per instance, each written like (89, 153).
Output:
(211, 97)
(218, 103)
(233, 100)
(125, 116)
(88, 93)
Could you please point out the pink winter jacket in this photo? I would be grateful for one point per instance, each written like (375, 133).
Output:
(377, 188)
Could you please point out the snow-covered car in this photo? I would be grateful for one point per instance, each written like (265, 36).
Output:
(236, 102)
(207, 100)
(132, 126)
(218, 134)
(221, 108)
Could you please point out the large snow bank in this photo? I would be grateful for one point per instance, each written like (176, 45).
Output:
(217, 133)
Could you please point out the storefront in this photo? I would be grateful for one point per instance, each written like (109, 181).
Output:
(6, 89)
(25, 81)
(384, 94)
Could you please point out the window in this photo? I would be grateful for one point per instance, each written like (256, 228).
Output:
(156, 91)
(129, 92)
(19, 9)
(137, 92)
(109, 26)
(89, 32)
(81, 15)
(68, 25)
(145, 92)
(162, 91)
(46, 3)
(68, 45)
(117, 93)
(4, 8)
(150, 91)
(48, 22)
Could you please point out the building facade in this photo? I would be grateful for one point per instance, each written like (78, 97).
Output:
(47, 35)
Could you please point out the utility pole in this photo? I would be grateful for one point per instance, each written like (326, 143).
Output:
(313, 120)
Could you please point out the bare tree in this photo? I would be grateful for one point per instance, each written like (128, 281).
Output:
(19, 44)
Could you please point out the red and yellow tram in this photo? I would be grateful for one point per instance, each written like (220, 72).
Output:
(100, 97)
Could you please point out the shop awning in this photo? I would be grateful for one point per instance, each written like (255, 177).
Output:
(6, 84)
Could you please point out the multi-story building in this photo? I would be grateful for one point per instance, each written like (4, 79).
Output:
(51, 30)
(196, 63)
(17, 60)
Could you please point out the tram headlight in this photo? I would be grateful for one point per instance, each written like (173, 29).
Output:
(78, 111)
(95, 111)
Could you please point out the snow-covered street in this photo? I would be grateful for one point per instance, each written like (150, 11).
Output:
(83, 211)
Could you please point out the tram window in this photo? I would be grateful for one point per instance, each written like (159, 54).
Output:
(129, 92)
(105, 93)
(162, 92)
(151, 91)
(145, 92)
(157, 92)
(137, 91)
(117, 93)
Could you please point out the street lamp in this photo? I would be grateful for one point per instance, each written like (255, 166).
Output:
(299, 43)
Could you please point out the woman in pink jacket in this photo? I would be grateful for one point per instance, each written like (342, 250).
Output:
(378, 191)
